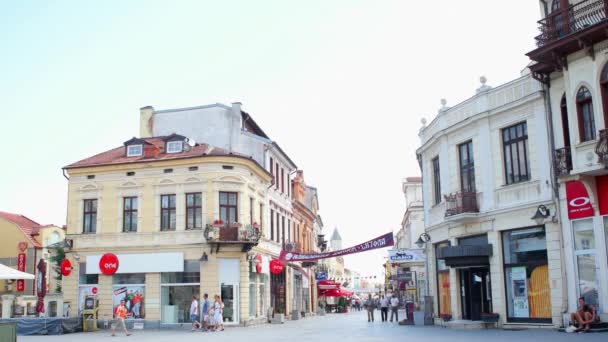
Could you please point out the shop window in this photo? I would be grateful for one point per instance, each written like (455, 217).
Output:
(84, 278)
(177, 289)
(527, 275)
(584, 244)
(190, 275)
(252, 294)
(443, 283)
(262, 294)
(129, 287)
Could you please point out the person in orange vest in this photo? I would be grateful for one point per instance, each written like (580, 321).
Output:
(120, 313)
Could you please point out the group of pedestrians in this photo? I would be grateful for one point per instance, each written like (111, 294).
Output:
(212, 318)
(384, 303)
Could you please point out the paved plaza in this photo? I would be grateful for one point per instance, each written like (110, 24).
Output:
(335, 328)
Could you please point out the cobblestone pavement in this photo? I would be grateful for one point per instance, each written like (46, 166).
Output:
(333, 328)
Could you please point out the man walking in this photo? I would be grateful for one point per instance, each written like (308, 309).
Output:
(370, 305)
(395, 308)
(120, 313)
(194, 314)
(384, 309)
(205, 312)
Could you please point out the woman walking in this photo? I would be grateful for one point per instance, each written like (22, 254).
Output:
(218, 307)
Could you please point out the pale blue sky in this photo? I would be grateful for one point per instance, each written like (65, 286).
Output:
(341, 85)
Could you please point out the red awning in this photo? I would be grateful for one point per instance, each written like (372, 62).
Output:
(328, 285)
(337, 293)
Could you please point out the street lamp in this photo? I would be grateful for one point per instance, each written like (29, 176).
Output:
(422, 240)
(541, 214)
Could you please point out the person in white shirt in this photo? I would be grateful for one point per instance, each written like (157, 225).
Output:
(194, 314)
(395, 308)
(384, 308)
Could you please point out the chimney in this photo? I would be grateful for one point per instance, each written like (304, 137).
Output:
(146, 124)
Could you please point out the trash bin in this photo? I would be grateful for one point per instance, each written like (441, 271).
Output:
(8, 331)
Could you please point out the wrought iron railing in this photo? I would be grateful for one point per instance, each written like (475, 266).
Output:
(461, 202)
(562, 160)
(601, 148)
(570, 20)
(232, 233)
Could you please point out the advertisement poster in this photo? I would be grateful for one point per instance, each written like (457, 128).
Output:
(133, 297)
(21, 267)
(520, 292)
(84, 291)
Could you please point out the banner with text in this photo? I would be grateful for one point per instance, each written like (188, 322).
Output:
(385, 240)
(406, 255)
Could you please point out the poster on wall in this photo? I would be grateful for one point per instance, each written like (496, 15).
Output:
(84, 291)
(520, 292)
(133, 297)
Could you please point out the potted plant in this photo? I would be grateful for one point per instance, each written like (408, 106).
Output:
(278, 317)
(446, 317)
(490, 317)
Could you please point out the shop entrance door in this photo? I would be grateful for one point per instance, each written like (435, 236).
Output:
(230, 298)
(475, 288)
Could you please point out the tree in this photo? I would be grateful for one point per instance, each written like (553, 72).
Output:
(57, 257)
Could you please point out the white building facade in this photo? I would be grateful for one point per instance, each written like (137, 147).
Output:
(486, 171)
(571, 60)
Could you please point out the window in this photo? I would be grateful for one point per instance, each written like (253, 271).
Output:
(228, 207)
(527, 275)
(167, 212)
(194, 211)
(604, 92)
(89, 217)
(288, 230)
(193, 168)
(251, 210)
(563, 106)
(283, 229)
(261, 217)
(586, 121)
(175, 146)
(282, 180)
(436, 181)
(585, 254)
(271, 224)
(278, 228)
(90, 176)
(84, 278)
(276, 176)
(135, 150)
(271, 167)
(467, 167)
(130, 173)
(515, 150)
(129, 214)
(168, 171)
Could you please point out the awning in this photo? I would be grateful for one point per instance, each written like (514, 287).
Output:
(337, 293)
(11, 273)
(464, 256)
(328, 285)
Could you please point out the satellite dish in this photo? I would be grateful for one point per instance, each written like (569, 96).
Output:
(189, 144)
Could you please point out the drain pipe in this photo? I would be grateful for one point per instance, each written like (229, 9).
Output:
(555, 188)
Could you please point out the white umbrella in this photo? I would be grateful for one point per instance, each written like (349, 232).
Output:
(11, 273)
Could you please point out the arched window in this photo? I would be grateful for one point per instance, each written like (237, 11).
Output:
(586, 121)
(604, 92)
(555, 5)
(565, 126)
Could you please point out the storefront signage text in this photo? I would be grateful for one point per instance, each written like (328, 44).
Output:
(108, 264)
(406, 255)
(276, 267)
(66, 267)
(21, 267)
(385, 240)
(577, 199)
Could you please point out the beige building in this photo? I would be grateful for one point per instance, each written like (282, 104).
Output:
(181, 218)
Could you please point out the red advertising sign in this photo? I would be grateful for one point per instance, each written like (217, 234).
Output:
(578, 201)
(601, 183)
(258, 263)
(276, 267)
(108, 264)
(94, 290)
(385, 240)
(66, 267)
(22, 246)
(21, 267)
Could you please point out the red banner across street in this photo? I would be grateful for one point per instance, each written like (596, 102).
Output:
(385, 240)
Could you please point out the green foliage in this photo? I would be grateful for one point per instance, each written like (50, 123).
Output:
(342, 302)
(57, 257)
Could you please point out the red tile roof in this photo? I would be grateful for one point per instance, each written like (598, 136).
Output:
(118, 155)
(28, 227)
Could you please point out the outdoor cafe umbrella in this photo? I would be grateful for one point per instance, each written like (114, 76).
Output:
(11, 273)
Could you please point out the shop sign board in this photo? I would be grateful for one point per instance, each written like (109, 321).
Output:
(21, 260)
(406, 255)
(140, 263)
(321, 276)
(108, 264)
(66, 267)
(577, 200)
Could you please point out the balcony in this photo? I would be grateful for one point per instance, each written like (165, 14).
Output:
(562, 160)
(462, 202)
(601, 148)
(220, 234)
(566, 31)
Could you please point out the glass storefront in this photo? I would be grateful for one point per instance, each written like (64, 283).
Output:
(252, 294)
(527, 275)
(262, 294)
(443, 283)
(585, 254)
(129, 287)
(87, 286)
(176, 291)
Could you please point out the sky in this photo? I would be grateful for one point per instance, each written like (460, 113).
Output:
(340, 85)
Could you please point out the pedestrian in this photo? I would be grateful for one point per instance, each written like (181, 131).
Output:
(370, 305)
(384, 308)
(218, 319)
(120, 313)
(194, 314)
(395, 308)
(205, 312)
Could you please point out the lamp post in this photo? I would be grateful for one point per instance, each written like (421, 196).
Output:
(428, 309)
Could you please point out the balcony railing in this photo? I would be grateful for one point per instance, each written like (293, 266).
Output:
(601, 148)
(575, 18)
(461, 202)
(562, 160)
(234, 233)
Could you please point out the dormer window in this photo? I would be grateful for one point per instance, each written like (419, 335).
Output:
(175, 146)
(135, 150)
